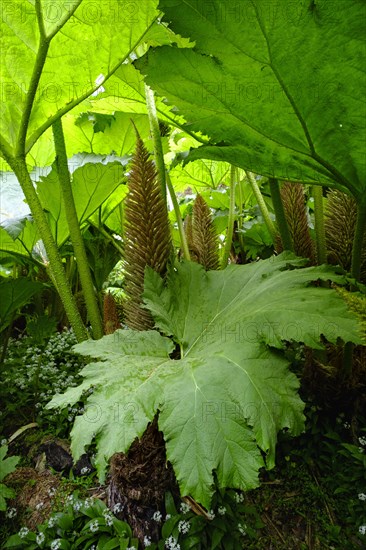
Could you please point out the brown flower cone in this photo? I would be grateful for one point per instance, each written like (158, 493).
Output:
(110, 314)
(340, 226)
(201, 236)
(147, 237)
(293, 199)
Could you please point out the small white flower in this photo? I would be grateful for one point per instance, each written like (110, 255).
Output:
(184, 527)
(239, 497)
(168, 516)
(362, 529)
(84, 470)
(94, 526)
(109, 521)
(147, 541)
(221, 510)
(108, 517)
(157, 516)
(362, 496)
(39, 506)
(184, 508)
(56, 544)
(242, 529)
(23, 532)
(172, 544)
(51, 522)
(211, 514)
(40, 538)
(51, 491)
(3, 442)
(118, 507)
(77, 505)
(347, 425)
(88, 502)
(11, 513)
(362, 440)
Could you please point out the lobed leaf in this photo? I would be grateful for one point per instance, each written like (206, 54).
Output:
(221, 405)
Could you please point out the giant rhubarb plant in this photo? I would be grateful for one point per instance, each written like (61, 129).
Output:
(222, 403)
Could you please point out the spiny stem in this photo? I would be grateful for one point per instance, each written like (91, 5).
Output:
(182, 234)
(231, 220)
(319, 224)
(280, 215)
(75, 232)
(262, 205)
(156, 137)
(19, 167)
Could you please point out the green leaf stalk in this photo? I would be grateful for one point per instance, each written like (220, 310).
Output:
(163, 175)
(91, 302)
(319, 224)
(55, 265)
(262, 205)
(231, 220)
(280, 215)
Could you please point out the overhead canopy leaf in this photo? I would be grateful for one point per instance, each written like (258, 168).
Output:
(71, 47)
(278, 86)
(231, 391)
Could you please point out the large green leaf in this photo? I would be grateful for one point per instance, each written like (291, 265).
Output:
(24, 246)
(79, 40)
(15, 293)
(230, 393)
(92, 185)
(278, 86)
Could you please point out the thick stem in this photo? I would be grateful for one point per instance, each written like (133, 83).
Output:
(358, 241)
(155, 133)
(262, 205)
(163, 176)
(182, 234)
(75, 232)
(231, 220)
(240, 213)
(280, 215)
(319, 224)
(18, 165)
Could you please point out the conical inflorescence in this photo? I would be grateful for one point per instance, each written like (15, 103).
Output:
(147, 240)
(110, 314)
(293, 199)
(201, 235)
(340, 226)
